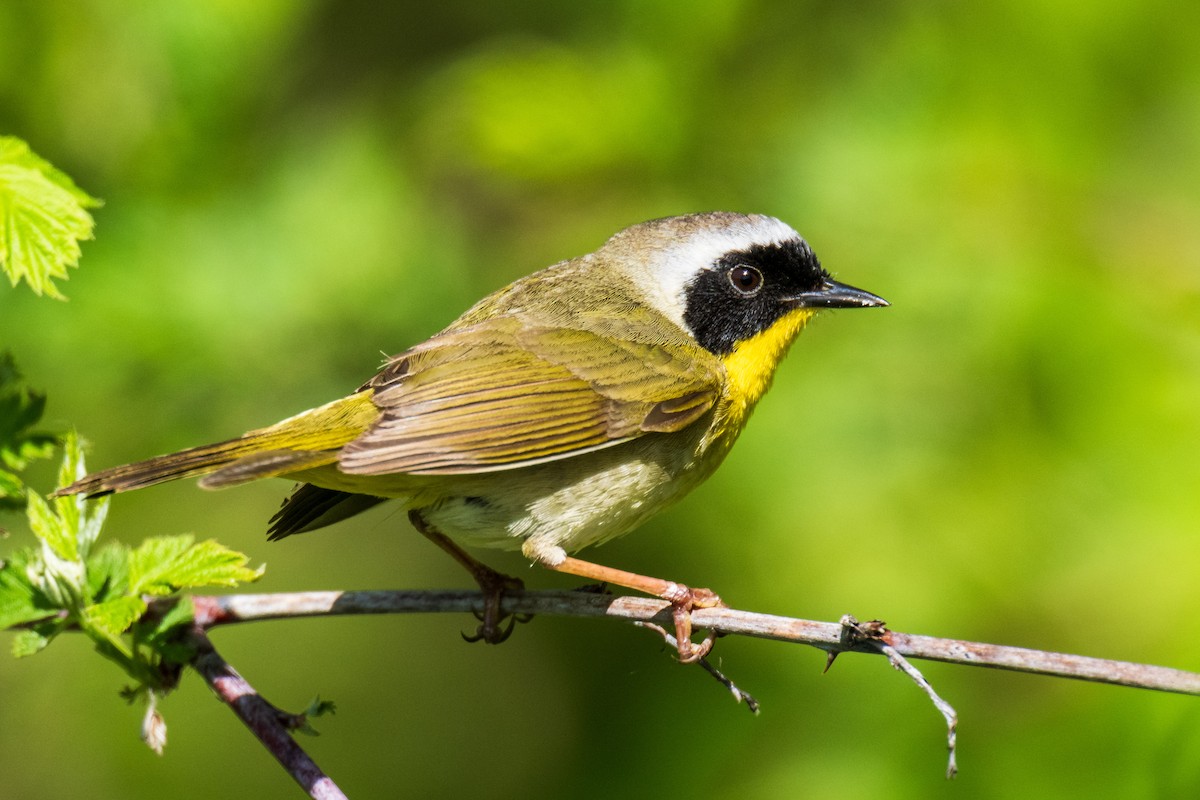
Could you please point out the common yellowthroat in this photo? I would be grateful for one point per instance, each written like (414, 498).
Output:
(560, 411)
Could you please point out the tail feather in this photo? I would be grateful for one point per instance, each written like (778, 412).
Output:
(307, 440)
(312, 507)
(267, 464)
(160, 469)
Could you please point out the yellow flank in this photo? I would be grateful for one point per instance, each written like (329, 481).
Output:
(328, 427)
(751, 365)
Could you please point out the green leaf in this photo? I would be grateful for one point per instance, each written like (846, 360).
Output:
(166, 564)
(154, 630)
(35, 638)
(113, 617)
(72, 467)
(11, 488)
(66, 534)
(81, 517)
(67, 583)
(20, 601)
(317, 708)
(151, 563)
(43, 217)
(31, 447)
(16, 152)
(51, 529)
(28, 642)
(20, 410)
(108, 572)
(162, 633)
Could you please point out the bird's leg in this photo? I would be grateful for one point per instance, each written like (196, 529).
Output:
(682, 599)
(493, 584)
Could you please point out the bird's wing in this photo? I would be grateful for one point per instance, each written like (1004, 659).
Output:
(503, 394)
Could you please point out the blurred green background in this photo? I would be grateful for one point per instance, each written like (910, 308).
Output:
(1007, 454)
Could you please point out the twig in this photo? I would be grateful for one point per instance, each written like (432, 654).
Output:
(269, 724)
(873, 633)
(739, 694)
(221, 610)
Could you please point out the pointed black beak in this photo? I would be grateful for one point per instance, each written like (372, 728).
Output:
(832, 294)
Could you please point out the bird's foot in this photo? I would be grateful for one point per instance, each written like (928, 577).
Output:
(492, 628)
(495, 626)
(683, 600)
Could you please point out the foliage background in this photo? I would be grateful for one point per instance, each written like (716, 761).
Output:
(1008, 454)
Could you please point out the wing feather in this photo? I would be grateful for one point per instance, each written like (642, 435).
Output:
(501, 394)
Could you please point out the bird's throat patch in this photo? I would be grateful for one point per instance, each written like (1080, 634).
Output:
(751, 366)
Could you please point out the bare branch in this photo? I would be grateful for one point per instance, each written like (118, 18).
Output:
(269, 724)
(221, 610)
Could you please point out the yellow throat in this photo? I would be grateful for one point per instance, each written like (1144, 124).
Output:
(750, 368)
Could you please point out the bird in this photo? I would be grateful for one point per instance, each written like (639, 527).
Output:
(558, 412)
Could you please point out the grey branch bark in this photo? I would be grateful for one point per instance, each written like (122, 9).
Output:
(273, 727)
(828, 636)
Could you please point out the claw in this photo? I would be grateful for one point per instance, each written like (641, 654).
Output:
(493, 584)
(491, 629)
(495, 636)
(683, 601)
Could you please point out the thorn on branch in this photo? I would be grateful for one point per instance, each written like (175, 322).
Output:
(854, 634)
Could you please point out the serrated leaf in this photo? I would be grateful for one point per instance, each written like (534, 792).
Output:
(57, 571)
(72, 467)
(35, 638)
(92, 514)
(108, 572)
(20, 409)
(32, 447)
(211, 563)
(11, 490)
(43, 217)
(27, 643)
(62, 582)
(50, 528)
(15, 151)
(20, 601)
(165, 564)
(70, 509)
(153, 560)
(80, 516)
(113, 617)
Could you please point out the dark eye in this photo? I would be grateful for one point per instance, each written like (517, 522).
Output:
(745, 279)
